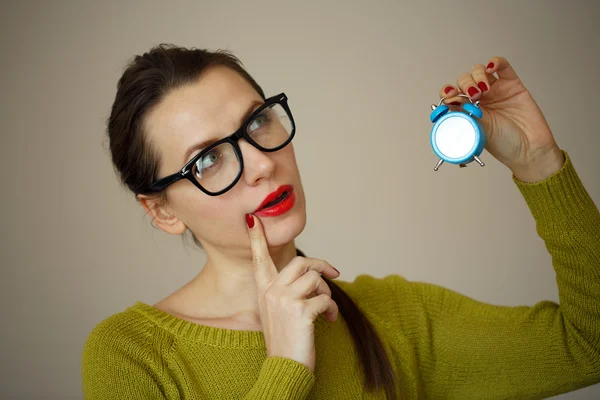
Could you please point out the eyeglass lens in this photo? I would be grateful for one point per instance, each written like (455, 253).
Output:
(220, 166)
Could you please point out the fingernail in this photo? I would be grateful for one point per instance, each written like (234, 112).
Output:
(455, 103)
(473, 91)
(448, 89)
(490, 65)
(482, 86)
(336, 270)
(250, 221)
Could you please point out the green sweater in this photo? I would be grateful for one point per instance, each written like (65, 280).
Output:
(442, 344)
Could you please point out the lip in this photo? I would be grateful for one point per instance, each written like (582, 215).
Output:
(280, 208)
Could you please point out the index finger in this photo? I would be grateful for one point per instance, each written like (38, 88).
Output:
(264, 269)
(502, 67)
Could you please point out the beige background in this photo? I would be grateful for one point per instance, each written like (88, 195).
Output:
(360, 77)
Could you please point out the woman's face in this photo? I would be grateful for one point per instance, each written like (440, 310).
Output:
(212, 108)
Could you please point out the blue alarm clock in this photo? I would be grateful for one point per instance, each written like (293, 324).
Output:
(457, 137)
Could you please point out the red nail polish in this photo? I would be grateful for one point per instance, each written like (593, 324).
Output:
(336, 270)
(482, 86)
(448, 89)
(455, 103)
(473, 91)
(490, 65)
(250, 221)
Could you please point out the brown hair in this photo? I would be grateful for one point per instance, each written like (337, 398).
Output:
(144, 83)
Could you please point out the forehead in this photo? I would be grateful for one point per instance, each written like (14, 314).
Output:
(213, 106)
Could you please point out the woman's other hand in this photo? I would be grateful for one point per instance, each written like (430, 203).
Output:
(517, 133)
(286, 304)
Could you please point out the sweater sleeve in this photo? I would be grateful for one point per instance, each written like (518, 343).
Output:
(282, 379)
(467, 349)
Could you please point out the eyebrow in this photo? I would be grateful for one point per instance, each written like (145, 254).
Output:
(199, 146)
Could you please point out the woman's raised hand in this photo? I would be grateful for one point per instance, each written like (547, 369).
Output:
(516, 131)
(287, 310)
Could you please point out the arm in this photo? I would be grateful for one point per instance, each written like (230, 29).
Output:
(468, 349)
(282, 378)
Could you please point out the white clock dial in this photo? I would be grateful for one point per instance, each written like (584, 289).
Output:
(455, 137)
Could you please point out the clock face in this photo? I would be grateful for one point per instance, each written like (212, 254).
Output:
(455, 137)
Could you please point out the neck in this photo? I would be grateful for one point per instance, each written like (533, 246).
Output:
(226, 285)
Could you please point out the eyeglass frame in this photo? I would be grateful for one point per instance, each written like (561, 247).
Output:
(186, 172)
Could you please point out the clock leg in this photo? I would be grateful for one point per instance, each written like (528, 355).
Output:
(437, 166)
(479, 161)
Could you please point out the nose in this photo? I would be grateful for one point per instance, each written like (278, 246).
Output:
(257, 165)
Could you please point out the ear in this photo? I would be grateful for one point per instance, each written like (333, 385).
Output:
(161, 214)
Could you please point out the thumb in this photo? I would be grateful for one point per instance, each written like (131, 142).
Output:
(264, 269)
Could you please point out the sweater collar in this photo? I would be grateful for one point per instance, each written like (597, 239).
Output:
(221, 337)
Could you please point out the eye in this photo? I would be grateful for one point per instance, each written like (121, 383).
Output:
(259, 121)
(206, 163)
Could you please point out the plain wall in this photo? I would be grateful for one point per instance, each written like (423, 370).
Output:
(360, 76)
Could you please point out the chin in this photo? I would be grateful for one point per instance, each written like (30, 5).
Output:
(283, 229)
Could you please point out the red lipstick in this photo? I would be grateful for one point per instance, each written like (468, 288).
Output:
(279, 202)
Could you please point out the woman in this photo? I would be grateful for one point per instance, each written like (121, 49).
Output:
(251, 323)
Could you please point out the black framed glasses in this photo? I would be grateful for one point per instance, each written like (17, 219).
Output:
(218, 167)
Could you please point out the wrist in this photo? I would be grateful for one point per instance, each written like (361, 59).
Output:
(542, 169)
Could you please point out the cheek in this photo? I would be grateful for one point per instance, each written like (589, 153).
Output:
(198, 205)
(210, 218)
(290, 170)
(191, 205)
(289, 151)
(286, 158)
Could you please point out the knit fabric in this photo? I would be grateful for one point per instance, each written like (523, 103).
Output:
(442, 344)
